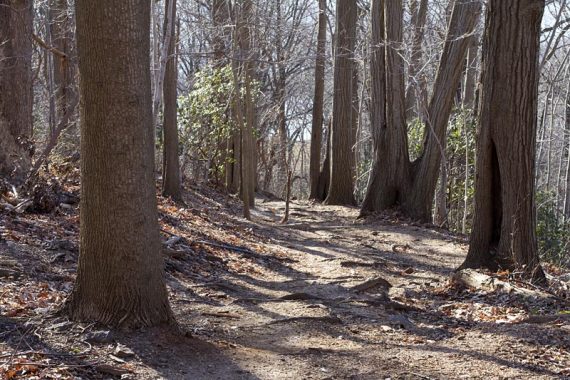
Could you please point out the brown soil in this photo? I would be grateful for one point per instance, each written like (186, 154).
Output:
(262, 300)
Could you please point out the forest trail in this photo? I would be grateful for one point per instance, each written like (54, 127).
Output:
(325, 296)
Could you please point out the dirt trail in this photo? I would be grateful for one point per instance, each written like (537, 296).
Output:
(299, 319)
(325, 296)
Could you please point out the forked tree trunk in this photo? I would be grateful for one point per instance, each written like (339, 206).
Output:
(504, 227)
(171, 186)
(411, 186)
(318, 104)
(120, 272)
(15, 88)
(341, 187)
(390, 178)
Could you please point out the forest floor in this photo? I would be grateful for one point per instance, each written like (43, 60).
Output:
(325, 296)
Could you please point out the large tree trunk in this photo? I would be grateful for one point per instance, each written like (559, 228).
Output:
(15, 88)
(504, 227)
(318, 104)
(399, 182)
(341, 188)
(120, 272)
(171, 186)
(390, 178)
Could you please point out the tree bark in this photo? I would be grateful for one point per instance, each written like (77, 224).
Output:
(504, 227)
(120, 272)
(341, 187)
(245, 110)
(171, 186)
(318, 104)
(16, 95)
(397, 182)
(416, 91)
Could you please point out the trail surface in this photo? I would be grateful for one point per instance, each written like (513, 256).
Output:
(325, 296)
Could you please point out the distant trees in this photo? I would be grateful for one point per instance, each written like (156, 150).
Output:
(120, 271)
(504, 227)
(16, 99)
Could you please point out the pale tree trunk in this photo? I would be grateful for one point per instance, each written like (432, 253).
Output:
(470, 86)
(120, 276)
(16, 97)
(162, 58)
(171, 186)
(341, 187)
(318, 101)
(416, 92)
(325, 173)
(566, 206)
(504, 227)
(397, 182)
(440, 217)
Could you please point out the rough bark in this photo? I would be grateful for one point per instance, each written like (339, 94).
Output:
(341, 188)
(411, 186)
(390, 178)
(463, 20)
(15, 88)
(318, 104)
(504, 227)
(245, 111)
(120, 272)
(171, 186)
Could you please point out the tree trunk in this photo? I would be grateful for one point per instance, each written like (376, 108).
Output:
(318, 104)
(120, 272)
(399, 182)
(15, 88)
(341, 189)
(416, 91)
(390, 178)
(470, 86)
(171, 186)
(245, 110)
(504, 227)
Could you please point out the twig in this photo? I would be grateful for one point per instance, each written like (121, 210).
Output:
(43, 44)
